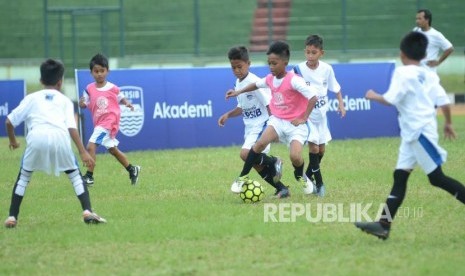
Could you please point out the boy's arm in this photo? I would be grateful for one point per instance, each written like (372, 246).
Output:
(304, 118)
(85, 156)
(84, 100)
(341, 108)
(309, 92)
(10, 129)
(374, 96)
(232, 113)
(234, 93)
(127, 103)
(269, 110)
(449, 132)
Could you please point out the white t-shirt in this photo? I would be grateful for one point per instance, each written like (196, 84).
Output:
(411, 91)
(44, 109)
(254, 103)
(48, 115)
(436, 42)
(439, 97)
(323, 79)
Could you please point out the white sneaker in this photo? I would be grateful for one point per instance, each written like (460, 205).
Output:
(92, 218)
(236, 187)
(10, 222)
(308, 186)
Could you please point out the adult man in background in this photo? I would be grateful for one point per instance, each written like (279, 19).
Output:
(436, 40)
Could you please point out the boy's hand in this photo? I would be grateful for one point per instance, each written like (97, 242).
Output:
(370, 94)
(231, 93)
(14, 145)
(129, 105)
(298, 121)
(342, 111)
(222, 120)
(82, 102)
(87, 159)
(449, 132)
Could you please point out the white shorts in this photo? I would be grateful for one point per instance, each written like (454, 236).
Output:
(101, 136)
(251, 136)
(287, 132)
(425, 151)
(49, 150)
(319, 132)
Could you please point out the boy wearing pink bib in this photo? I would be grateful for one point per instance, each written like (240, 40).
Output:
(291, 103)
(103, 99)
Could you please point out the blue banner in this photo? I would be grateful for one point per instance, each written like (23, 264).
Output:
(11, 94)
(179, 108)
(364, 119)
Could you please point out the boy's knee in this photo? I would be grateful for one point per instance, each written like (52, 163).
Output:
(296, 159)
(113, 150)
(91, 147)
(243, 154)
(259, 147)
(436, 177)
(314, 148)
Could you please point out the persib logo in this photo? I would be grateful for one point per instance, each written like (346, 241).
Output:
(132, 121)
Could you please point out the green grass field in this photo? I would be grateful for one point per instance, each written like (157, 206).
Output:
(181, 218)
(453, 83)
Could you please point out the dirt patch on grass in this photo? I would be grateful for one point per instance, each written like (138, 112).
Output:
(456, 109)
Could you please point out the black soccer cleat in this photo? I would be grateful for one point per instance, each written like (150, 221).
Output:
(88, 180)
(374, 228)
(283, 193)
(134, 174)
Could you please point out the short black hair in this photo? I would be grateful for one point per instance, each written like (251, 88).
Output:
(413, 45)
(314, 40)
(51, 71)
(280, 48)
(238, 53)
(99, 59)
(428, 15)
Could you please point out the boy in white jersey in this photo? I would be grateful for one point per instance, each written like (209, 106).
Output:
(253, 106)
(411, 90)
(436, 40)
(49, 118)
(291, 103)
(319, 75)
(103, 98)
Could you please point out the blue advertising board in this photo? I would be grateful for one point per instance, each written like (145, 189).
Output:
(365, 119)
(179, 108)
(11, 94)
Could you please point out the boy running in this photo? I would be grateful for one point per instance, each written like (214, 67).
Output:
(320, 75)
(412, 91)
(103, 98)
(291, 103)
(255, 113)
